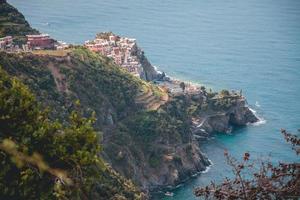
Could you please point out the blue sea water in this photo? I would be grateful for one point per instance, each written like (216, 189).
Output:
(251, 45)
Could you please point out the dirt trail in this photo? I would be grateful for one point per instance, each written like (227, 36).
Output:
(59, 78)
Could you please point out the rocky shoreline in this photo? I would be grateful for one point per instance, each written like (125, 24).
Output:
(168, 161)
(205, 125)
(173, 172)
(158, 148)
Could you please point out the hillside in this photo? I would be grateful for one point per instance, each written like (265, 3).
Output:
(13, 23)
(80, 74)
(41, 158)
(123, 107)
(149, 134)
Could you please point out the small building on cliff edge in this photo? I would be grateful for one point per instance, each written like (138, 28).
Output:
(41, 41)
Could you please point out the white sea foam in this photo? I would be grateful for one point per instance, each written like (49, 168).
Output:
(45, 23)
(158, 71)
(208, 167)
(260, 121)
(257, 104)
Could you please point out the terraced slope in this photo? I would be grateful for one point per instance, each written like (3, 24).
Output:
(152, 97)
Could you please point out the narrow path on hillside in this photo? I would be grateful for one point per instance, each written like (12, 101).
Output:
(59, 78)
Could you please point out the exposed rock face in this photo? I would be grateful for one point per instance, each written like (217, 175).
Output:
(176, 156)
(176, 166)
(149, 71)
(167, 159)
(241, 114)
(222, 122)
(179, 160)
(217, 123)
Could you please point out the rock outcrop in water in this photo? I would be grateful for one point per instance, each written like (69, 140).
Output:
(237, 113)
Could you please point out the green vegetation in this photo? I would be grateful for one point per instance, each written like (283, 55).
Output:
(101, 87)
(222, 101)
(104, 35)
(94, 80)
(13, 23)
(154, 160)
(43, 159)
(58, 53)
(224, 93)
(132, 135)
(116, 84)
(55, 153)
(145, 130)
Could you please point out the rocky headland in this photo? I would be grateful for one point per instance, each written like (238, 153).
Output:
(150, 131)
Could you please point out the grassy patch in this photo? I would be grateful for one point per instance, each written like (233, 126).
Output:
(57, 53)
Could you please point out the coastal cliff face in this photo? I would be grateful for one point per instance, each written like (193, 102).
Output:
(223, 123)
(241, 115)
(150, 73)
(222, 118)
(166, 166)
(149, 135)
(161, 151)
(156, 149)
(153, 148)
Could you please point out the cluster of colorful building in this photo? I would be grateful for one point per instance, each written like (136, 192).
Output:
(34, 42)
(122, 50)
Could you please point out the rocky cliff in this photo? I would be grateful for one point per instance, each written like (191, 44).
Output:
(154, 148)
(149, 71)
(221, 115)
(149, 135)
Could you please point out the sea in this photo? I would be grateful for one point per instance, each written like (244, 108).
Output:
(253, 46)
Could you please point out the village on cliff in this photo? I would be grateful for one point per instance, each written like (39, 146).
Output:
(122, 50)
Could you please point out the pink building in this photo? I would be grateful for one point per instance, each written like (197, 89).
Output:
(94, 47)
(118, 59)
(42, 41)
